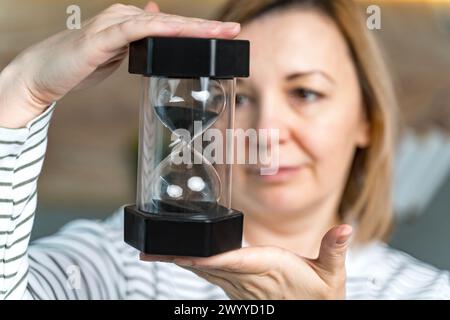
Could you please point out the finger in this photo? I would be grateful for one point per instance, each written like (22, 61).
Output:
(122, 9)
(151, 7)
(119, 35)
(232, 261)
(112, 15)
(236, 276)
(217, 277)
(118, 57)
(248, 260)
(333, 249)
(233, 291)
(156, 257)
(101, 73)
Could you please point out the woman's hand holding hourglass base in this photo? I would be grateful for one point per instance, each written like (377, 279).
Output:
(81, 58)
(275, 273)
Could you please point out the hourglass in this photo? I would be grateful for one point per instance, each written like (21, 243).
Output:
(184, 194)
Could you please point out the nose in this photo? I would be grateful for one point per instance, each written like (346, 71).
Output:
(272, 116)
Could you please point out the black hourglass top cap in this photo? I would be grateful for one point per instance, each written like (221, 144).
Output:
(189, 57)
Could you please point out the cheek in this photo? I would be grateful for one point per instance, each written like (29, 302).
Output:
(244, 118)
(240, 188)
(330, 141)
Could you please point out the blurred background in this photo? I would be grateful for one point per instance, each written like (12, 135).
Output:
(90, 165)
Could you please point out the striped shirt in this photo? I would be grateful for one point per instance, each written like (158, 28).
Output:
(88, 259)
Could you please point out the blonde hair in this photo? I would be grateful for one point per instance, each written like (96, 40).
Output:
(366, 200)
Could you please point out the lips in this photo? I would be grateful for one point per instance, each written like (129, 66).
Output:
(283, 174)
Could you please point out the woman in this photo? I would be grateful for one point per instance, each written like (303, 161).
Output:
(316, 75)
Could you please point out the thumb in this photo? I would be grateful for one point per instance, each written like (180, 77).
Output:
(333, 249)
(151, 7)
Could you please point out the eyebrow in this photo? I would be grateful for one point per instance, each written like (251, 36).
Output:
(309, 73)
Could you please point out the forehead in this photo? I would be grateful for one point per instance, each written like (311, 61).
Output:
(294, 40)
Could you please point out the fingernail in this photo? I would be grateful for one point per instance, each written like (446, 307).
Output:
(345, 233)
(230, 25)
(342, 240)
(184, 262)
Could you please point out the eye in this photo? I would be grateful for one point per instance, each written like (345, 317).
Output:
(306, 95)
(242, 100)
(217, 99)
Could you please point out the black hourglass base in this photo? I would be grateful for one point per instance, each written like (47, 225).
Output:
(197, 235)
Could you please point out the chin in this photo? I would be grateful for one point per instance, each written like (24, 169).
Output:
(284, 192)
(277, 199)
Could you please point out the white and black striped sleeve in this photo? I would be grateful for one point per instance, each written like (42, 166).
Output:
(22, 154)
(86, 259)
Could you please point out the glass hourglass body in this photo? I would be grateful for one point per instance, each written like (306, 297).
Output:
(182, 181)
(183, 201)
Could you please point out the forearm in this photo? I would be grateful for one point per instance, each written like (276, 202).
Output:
(22, 152)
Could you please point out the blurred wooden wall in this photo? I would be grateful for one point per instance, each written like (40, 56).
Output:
(90, 155)
(416, 38)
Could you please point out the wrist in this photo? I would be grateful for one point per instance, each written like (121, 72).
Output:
(18, 106)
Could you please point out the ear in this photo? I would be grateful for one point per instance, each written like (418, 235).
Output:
(363, 138)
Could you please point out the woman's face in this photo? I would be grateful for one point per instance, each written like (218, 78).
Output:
(302, 82)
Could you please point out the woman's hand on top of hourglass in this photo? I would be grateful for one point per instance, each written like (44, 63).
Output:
(275, 273)
(80, 58)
